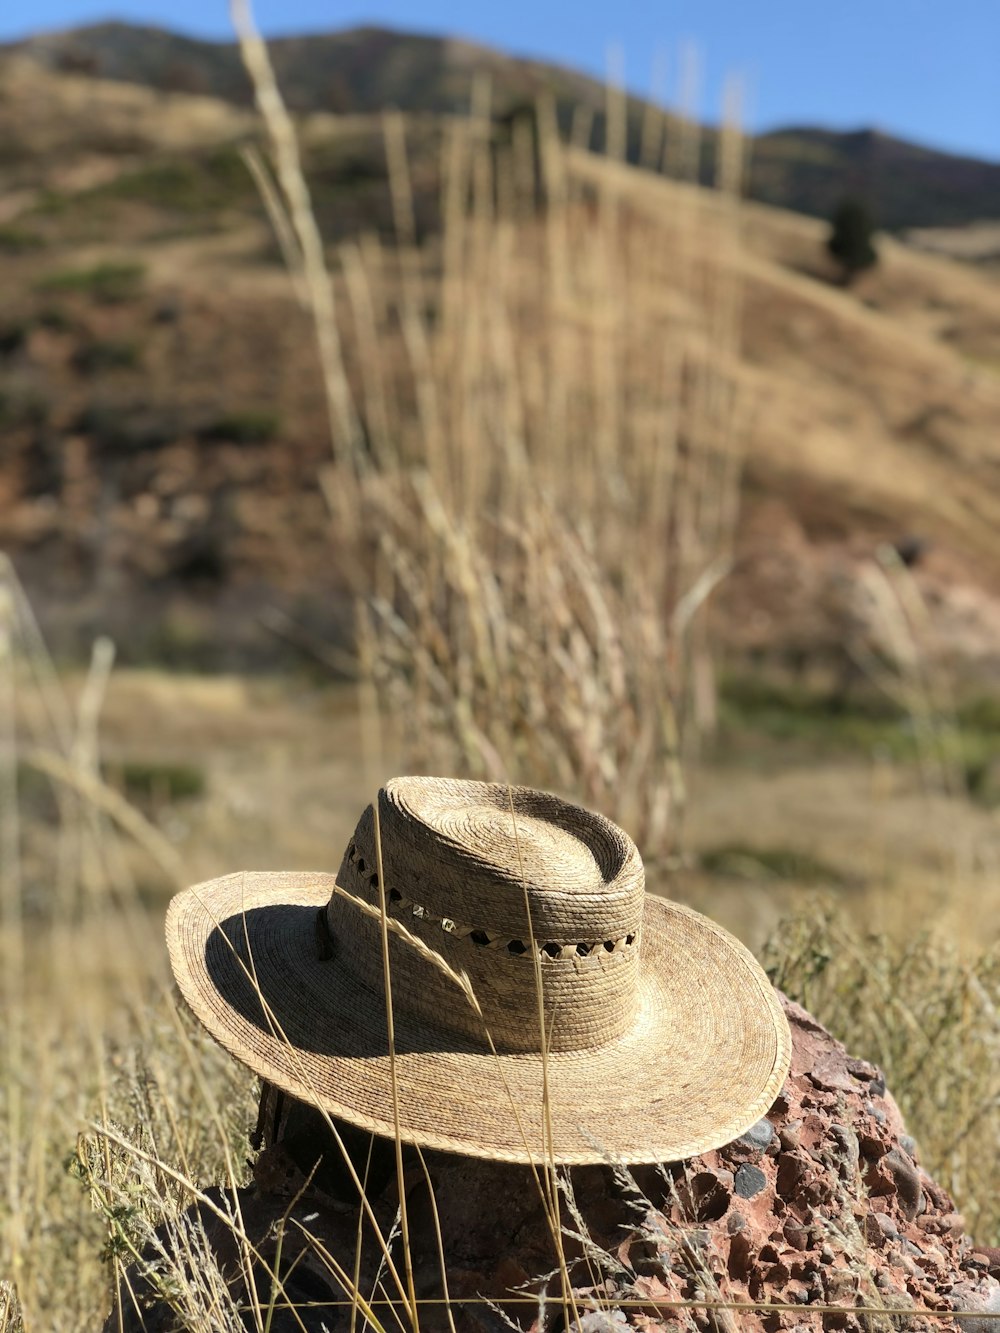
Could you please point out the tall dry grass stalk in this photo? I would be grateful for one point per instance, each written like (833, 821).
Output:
(552, 408)
(87, 1032)
(299, 238)
(545, 489)
(78, 963)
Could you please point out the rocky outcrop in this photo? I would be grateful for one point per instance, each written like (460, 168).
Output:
(820, 1217)
(822, 1204)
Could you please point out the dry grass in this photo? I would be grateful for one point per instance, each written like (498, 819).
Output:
(545, 529)
(536, 478)
(929, 1016)
(538, 505)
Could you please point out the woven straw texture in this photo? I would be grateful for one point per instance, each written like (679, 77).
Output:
(665, 1038)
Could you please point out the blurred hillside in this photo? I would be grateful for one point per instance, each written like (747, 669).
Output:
(362, 70)
(163, 419)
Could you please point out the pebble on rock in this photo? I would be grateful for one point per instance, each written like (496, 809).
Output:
(759, 1135)
(907, 1182)
(749, 1181)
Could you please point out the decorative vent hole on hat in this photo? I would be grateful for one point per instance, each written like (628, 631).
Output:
(550, 951)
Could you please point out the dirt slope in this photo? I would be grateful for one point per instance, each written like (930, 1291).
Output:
(162, 414)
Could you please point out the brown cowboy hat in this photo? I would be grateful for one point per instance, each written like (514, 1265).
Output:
(662, 1036)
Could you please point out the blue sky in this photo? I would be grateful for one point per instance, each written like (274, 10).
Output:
(928, 70)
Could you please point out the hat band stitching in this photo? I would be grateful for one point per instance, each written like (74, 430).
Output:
(550, 951)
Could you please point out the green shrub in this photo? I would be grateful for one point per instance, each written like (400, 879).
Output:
(184, 185)
(981, 774)
(103, 355)
(13, 336)
(127, 427)
(755, 695)
(109, 283)
(19, 240)
(152, 780)
(180, 640)
(36, 794)
(735, 860)
(56, 319)
(22, 407)
(850, 241)
(51, 204)
(866, 722)
(981, 714)
(244, 426)
(787, 711)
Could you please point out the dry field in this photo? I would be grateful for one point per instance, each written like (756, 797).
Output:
(226, 771)
(271, 773)
(557, 456)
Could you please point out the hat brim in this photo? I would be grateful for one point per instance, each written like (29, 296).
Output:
(706, 1056)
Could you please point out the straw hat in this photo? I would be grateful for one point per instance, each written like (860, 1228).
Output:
(663, 1036)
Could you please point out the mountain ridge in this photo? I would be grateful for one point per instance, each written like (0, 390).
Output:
(807, 169)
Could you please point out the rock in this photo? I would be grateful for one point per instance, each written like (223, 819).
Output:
(831, 1073)
(602, 1321)
(758, 1136)
(873, 1232)
(991, 1254)
(792, 1171)
(847, 1150)
(862, 1070)
(788, 1137)
(748, 1181)
(907, 1182)
(841, 1286)
(708, 1194)
(939, 1198)
(740, 1258)
(886, 1225)
(983, 1299)
(820, 1202)
(937, 1226)
(871, 1142)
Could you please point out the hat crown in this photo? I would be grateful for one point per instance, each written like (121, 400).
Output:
(491, 877)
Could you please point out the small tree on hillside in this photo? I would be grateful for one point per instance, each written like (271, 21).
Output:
(850, 240)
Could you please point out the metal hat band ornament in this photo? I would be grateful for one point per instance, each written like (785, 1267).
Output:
(662, 1035)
